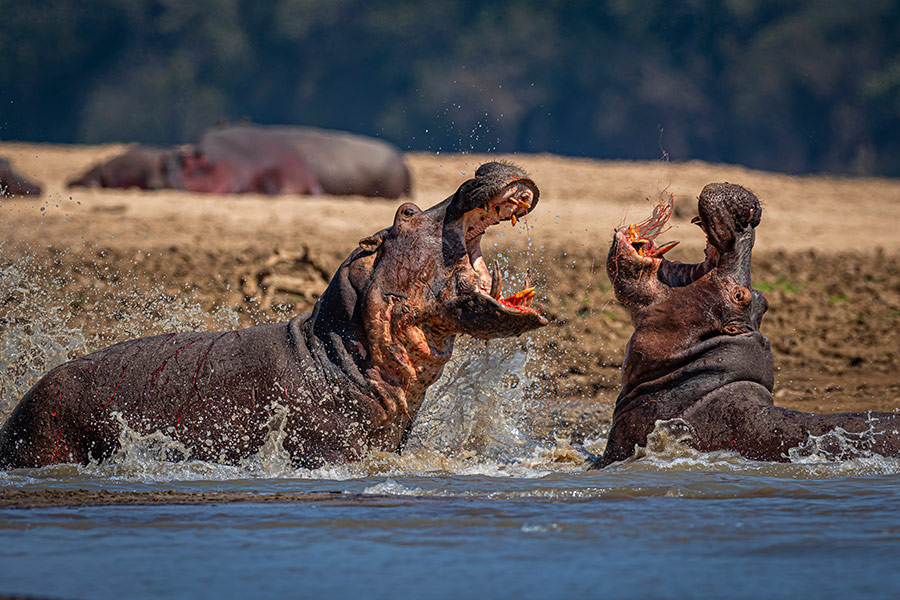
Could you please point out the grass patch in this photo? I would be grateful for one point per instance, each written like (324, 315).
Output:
(781, 283)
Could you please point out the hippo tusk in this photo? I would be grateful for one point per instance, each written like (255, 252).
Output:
(496, 281)
(664, 248)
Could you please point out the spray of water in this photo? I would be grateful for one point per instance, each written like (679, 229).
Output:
(44, 323)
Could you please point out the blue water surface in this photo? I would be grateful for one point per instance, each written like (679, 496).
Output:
(636, 532)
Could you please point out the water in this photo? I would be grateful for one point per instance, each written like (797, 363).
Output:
(481, 504)
(639, 530)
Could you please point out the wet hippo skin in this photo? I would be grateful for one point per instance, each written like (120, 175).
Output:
(697, 361)
(328, 387)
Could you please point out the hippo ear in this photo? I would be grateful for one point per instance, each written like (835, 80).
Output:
(373, 242)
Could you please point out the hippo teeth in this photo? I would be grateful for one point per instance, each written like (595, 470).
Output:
(659, 251)
(496, 281)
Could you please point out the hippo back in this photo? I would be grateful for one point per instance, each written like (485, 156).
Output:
(348, 164)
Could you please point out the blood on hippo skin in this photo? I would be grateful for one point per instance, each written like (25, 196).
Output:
(697, 362)
(338, 383)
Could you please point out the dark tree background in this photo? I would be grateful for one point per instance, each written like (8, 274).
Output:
(788, 85)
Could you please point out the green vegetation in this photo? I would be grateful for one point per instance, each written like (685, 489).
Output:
(781, 283)
(788, 85)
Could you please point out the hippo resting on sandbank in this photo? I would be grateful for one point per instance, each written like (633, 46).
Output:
(338, 383)
(244, 160)
(301, 160)
(14, 184)
(349, 164)
(697, 366)
(141, 167)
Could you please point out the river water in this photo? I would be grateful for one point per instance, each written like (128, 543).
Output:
(477, 506)
(654, 528)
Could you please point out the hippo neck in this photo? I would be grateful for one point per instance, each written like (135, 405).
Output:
(688, 376)
(385, 367)
(402, 363)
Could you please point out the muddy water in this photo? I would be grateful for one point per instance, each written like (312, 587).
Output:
(484, 502)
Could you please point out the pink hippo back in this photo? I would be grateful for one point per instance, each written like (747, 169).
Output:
(240, 160)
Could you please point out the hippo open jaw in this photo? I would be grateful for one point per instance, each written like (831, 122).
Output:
(510, 204)
(643, 252)
(673, 273)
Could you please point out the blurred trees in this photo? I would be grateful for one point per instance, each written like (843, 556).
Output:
(790, 85)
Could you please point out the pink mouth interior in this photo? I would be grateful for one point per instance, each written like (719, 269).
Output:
(509, 205)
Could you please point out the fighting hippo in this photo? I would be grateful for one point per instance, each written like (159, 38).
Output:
(335, 384)
(241, 160)
(697, 365)
(13, 184)
(142, 167)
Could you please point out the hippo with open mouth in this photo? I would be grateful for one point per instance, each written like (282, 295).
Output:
(697, 363)
(338, 383)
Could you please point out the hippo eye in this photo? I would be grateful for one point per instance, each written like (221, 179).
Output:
(741, 296)
(408, 210)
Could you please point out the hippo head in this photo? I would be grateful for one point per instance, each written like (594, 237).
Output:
(393, 309)
(677, 307)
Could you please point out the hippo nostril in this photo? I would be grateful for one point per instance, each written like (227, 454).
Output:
(734, 329)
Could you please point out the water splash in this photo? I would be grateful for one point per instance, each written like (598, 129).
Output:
(37, 334)
(44, 324)
(837, 453)
(481, 405)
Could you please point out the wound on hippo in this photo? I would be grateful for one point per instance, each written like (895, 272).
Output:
(697, 356)
(346, 380)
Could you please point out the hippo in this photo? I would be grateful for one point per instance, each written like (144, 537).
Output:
(329, 386)
(13, 184)
(242, 160)
(349, 164)
(142, 167)
(697, 366)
